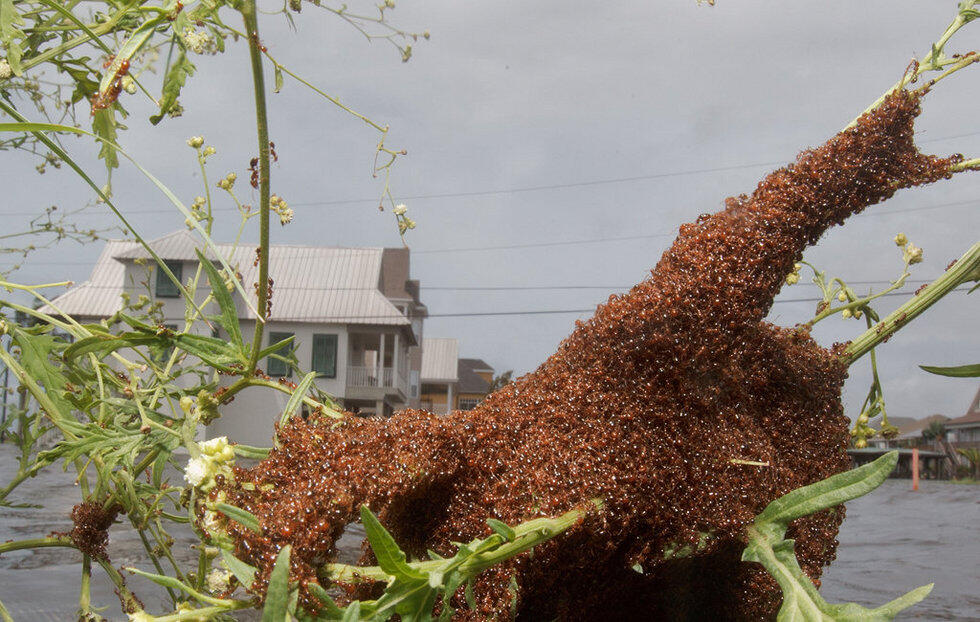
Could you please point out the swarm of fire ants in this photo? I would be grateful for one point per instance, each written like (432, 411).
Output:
(644, 406)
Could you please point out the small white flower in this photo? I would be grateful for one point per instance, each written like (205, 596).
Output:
(215, 445)
(285, 216)
(218, 580)
(196, 471)
(198, 42)
(400, 209)
(5, 69)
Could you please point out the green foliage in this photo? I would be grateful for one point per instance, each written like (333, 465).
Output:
(963, 371)
(414, 588)
(768, 546)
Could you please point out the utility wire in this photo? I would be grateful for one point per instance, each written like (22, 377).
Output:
(519, 189)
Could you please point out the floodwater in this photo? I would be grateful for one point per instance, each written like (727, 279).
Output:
(893, 540)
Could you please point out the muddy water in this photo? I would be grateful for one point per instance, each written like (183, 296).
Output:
(892, 541)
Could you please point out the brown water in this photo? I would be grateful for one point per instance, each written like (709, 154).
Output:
(892, 541)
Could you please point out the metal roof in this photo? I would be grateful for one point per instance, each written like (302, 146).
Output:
(98, 296)
(439, 358)
(310, 283)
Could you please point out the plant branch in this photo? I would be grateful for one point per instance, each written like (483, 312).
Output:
(966, 268)
(262, 129)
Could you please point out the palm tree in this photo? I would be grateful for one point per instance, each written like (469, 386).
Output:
(936, 430)
(972, 454)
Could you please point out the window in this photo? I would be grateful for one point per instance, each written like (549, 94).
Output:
(468, 403)
(274, 366)
(325, 355)
(414, 382)
(165, 287)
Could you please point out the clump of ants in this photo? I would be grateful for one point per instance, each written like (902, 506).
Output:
(653, 406)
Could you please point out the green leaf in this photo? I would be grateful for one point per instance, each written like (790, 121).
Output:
(254, 453)
(963, 371)
(391, 558)
(352, 613)
(263, 353)
(245, 573)
(136, 40)
(330, 608)
(243, 517)
(104, 126)
(175, 80)
(229, 312)
(502, 529)
(832, 491)
(277, 596)
(297, 397)
(768, 546)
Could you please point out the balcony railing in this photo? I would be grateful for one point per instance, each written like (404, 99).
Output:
(381, 377)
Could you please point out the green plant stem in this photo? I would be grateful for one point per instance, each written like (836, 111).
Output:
(36, 543)
(85, 593)
(249, 15)
(252, 381)
(966, 268)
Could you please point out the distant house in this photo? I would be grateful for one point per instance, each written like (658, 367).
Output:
(449, 382)
(965, 431)
(355, 314)
(909, 431)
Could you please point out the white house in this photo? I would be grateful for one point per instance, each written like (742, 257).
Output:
(355, 314)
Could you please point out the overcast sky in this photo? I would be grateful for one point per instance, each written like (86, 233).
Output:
(580, 135)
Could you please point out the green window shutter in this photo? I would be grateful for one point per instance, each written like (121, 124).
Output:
(325, 355)
(165, 287)
(275, 367)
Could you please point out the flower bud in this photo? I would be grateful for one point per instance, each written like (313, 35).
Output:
(195, 142)
(901, 239)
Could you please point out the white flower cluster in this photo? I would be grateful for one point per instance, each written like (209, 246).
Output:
(794, 277)
(198, 42)
(5, 70)
(912, 254)
(216, 458)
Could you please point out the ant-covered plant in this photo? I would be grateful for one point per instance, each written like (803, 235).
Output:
(525, 506)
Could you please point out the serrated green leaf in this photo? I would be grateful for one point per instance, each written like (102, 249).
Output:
(962, 371)
(277, 596)
(173, 82)
(243, 517)
(768, 546)
(245, 573)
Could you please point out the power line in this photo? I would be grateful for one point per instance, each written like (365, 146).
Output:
(563, 311)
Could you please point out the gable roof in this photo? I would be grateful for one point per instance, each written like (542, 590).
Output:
(972, 416)
(99, 295)
(439, 360)
(469, 380)
(310, 283)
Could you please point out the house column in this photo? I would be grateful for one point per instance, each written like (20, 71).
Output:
(449, 397)
(395, 355)
(381, 361)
